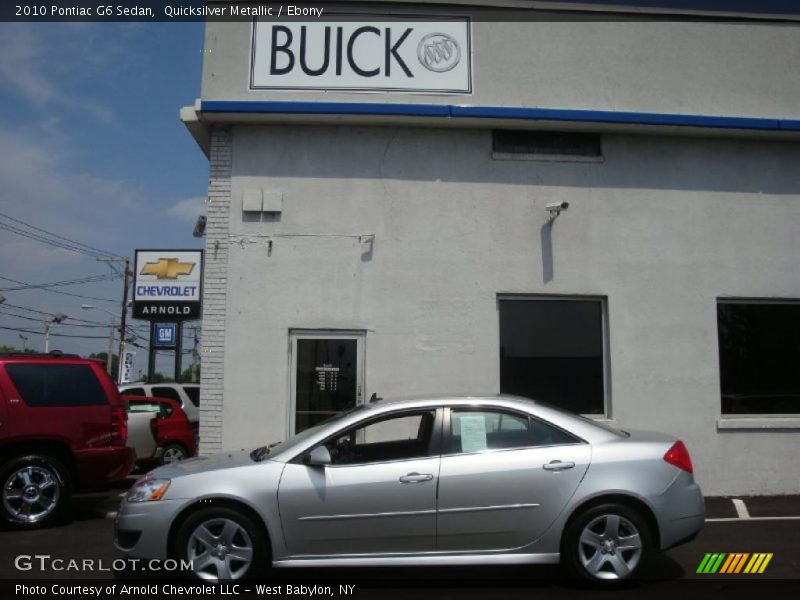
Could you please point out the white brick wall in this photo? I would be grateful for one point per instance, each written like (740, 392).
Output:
(215, 286)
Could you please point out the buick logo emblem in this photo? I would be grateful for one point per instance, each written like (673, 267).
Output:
(439, 52)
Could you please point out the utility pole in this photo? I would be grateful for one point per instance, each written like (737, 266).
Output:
(123, 312)
(123, 316)
(195, 342)
(57, 318)
(110, 345)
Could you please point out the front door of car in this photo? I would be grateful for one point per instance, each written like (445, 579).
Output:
(377, 496)
(504, 479)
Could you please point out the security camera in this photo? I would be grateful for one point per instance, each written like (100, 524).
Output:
(555, 208)
(200, 226)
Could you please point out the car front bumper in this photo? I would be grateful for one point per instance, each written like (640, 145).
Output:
(141, 529)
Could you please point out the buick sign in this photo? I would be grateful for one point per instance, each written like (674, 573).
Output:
(393, 56)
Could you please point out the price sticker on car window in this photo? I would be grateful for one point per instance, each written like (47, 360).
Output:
(473, 433)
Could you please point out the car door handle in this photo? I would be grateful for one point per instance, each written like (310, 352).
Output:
(557, 465)
(416, 478)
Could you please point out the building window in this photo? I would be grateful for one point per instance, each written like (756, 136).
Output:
(546, 145)
(554, 350)
(759, 354)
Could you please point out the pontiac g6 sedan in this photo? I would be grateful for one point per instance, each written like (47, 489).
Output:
(445, 481)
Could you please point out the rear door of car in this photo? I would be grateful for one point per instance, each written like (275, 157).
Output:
(504, 478)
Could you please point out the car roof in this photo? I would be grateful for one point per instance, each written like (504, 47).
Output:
(577, 425)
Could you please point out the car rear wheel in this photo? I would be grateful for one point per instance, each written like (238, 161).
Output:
(173, 453)
(222, 544)
(36, 491)
(606, 543)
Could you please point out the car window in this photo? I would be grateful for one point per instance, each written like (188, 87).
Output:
(479, 430)
(134, 392)
(137, 407)
(167, 392)
(193, 393)
(396, 437)
(56, 385)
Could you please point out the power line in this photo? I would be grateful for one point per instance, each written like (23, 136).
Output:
(60, 292)
(77, 245)
(41, 312)
(78, 281)
(9, 314)
(66, 335)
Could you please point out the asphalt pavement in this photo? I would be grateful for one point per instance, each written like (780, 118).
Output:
(749, 525)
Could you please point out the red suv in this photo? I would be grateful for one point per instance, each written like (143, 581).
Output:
(173, 432)
(63, 426)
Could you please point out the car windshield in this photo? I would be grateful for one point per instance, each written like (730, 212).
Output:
(261, 453)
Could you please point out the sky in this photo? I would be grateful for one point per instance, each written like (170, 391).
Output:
(92, 149)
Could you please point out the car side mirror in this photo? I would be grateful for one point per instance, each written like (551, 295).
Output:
(319, 457)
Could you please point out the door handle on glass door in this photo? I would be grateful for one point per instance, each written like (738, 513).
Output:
(557, 465)
(416, 478)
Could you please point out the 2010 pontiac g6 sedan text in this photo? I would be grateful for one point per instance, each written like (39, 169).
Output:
(456, 480)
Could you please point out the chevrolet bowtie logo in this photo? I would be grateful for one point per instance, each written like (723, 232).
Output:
(167, 268)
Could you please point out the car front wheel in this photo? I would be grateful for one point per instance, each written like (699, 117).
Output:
(36, 491)
(606, 543)
(222, 544)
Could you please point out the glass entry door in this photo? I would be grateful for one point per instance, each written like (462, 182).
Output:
(327, 375)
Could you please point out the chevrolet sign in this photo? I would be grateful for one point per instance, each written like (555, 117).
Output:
(430, 54)
(167, 284)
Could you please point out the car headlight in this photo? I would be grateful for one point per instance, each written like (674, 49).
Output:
(146, 490)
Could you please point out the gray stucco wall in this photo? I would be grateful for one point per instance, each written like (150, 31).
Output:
(662, 228)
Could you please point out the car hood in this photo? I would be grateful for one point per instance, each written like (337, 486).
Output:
(202, 464)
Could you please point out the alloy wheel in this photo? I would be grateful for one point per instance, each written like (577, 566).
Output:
(31, 493)
(220, 549)
(173, 454)
(610, 547)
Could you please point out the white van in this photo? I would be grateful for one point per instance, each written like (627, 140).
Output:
(186, 394)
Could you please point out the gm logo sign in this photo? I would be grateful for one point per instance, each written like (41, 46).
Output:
(165, 334)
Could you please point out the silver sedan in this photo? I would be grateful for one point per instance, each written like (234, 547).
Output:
(444, 481)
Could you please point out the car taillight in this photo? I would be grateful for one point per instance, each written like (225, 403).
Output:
(119, 425)
(678, 456)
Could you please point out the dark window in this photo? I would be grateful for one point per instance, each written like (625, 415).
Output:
(546, 143)
(759, 354)
(193, 393)
(168, 392)
(326, 379)
(397, 437)
(134, 392)
(474, 430)
(552, 350)
(57, 385)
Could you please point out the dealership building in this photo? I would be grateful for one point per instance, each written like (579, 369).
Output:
(598, 210)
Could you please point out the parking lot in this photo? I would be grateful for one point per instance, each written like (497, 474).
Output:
(751, 525)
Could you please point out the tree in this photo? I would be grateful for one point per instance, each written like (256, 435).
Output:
(160, 378)
(104, 357)
(186, 375)
(9, 349)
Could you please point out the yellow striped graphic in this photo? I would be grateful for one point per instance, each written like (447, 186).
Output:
(753, 564)
(767, 558)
